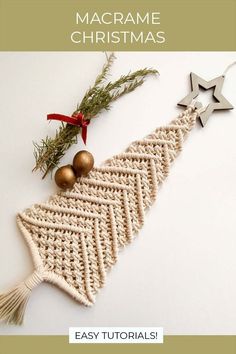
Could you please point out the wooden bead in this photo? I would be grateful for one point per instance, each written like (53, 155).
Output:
(83, 163)
(65, 177)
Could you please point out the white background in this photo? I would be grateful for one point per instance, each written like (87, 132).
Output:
(180, 271)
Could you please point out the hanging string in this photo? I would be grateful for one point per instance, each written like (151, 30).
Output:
(228, 67)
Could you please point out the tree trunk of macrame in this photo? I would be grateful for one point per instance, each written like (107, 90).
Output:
(75, 236)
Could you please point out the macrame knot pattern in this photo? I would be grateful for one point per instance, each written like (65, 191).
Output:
(76, 235)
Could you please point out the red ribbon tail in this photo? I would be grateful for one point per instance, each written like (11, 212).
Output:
(62, 118)
(73, 120)
(84, 134)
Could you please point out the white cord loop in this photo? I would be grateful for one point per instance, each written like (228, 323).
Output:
(229, 67)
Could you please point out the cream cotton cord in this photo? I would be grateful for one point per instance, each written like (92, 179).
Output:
(76, 235)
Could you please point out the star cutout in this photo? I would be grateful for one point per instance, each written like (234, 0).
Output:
(221, 102)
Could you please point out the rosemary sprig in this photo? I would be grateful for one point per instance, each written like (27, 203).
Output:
(49, 151)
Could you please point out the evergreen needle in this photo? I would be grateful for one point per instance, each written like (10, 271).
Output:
(49, 151)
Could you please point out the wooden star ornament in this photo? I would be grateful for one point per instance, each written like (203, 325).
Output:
(220, 101)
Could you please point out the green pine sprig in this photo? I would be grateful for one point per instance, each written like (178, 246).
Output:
(50, 150)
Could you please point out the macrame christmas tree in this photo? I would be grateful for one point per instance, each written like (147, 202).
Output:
(75, 237)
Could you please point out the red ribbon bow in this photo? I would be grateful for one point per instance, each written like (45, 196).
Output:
(76, 119)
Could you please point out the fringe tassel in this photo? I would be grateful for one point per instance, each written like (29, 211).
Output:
(13, 303)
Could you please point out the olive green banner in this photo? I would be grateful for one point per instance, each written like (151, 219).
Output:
(172, 345)
(140, 25)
